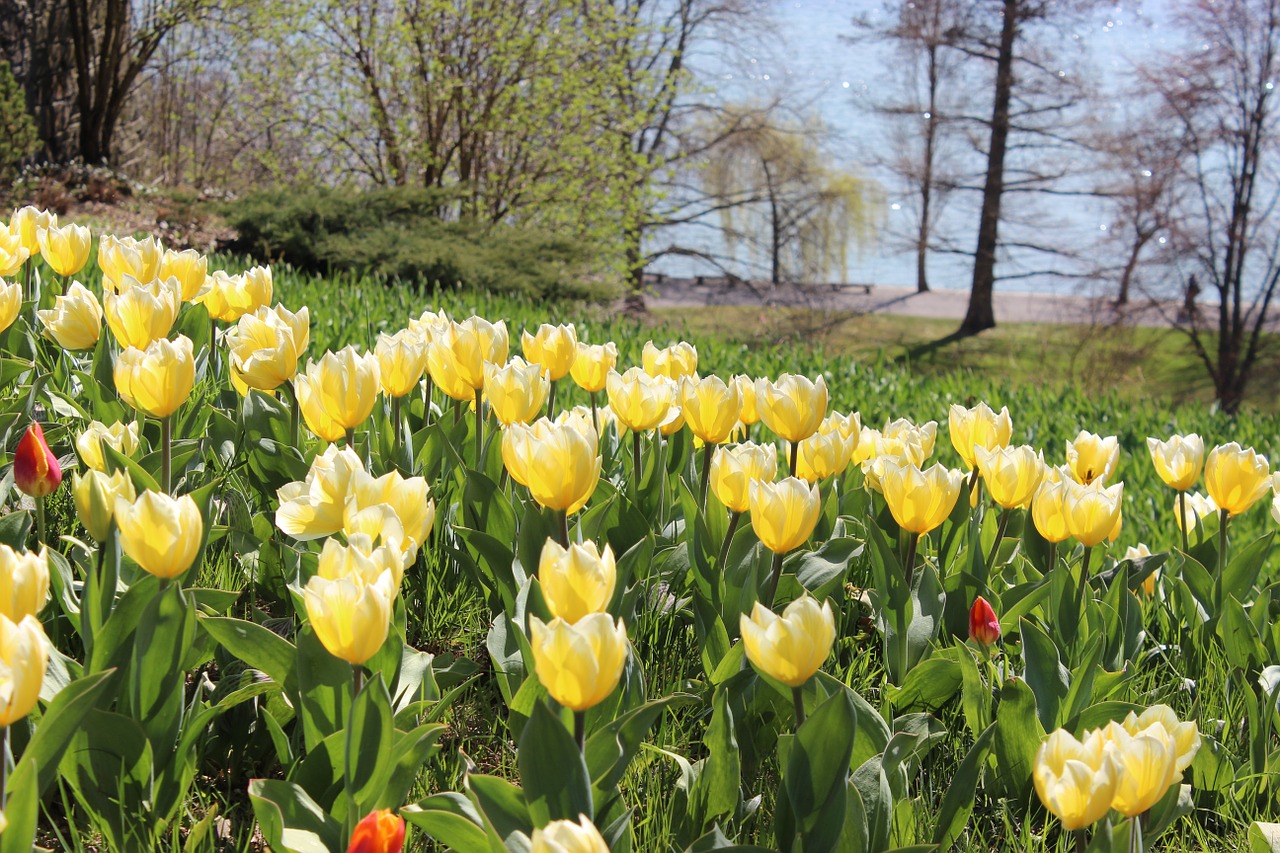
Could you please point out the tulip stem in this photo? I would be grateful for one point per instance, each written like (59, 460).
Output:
(580, 730)
(350, 438)
(357, 680)
(1053, 556)
(6, 757)
(635, 463)
(797, 698)
(775, 572)
(40, 522)
(1081, 841)
(551, 400)
(707, 450)
(1182, 519)
(734, 518)
(1084, 573)
(1001, 526)
(564, 528)
(295, 410)
(479, 430)
(426, 402)
(1223, 515)
(595, 418)
(909, 566)
(1135, 834)
(166, 454)
(395, 425)
(795, 456)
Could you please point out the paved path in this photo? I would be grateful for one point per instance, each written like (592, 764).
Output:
(1011, 307)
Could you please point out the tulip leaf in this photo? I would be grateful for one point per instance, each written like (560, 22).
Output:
(716, 840)
(1264, 837)
(502, 805)
(929, 685)
(1018, 734)
(958, 802)
(610, 748)
(155, 678)
(975, 695)
(450, 819)
(143, 480)
(826, 566)
(37, 766)
(260, 648)
(15, 529)
(1048, 679)
(1240, 638)
(552, 770)
(720, 783)
(368, 758)
(290, 820)
(818, 763)
(877, 801)
(324, 689)
(1241, 572)
(21, 813)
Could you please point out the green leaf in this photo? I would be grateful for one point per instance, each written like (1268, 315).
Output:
(1018, 734)
(929, 685)
(1048, 678)
(290, 820)
(959, 800)
(165, 631)
(819, 759)
(257, 646)
(59, 724)
(450, 819)
(610, 748)
(502, 804)
(720, 783)
(369, 759)
(552, 771)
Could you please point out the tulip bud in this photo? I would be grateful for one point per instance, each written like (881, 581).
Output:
(1049, 510)
(1236, 478)
(581, 663)
(789, 648)
(456, 357)
(553, 347)
(749, 413)
(123, 437)
(95, 496)
(189, 268)
(822, 455)
(978, 427)
(984, 627)
(793, 407)
(711, 407)
(361, 558)
(409, 498)
(783, 514)
(65, 249)
(734, 469)
(1146, 765)
(338, 392)
(351, 617)
(36, 471)
(905, 432)
(674, 362)
(559, 464)
(1183, 736)
(24, 582)
(75, 320)
(159, 533)
(142, 313)
(10, 303)
(577, 580)
(379, 831)
(592, 364)
(1091, 457)
(565, 836)
(23, 658)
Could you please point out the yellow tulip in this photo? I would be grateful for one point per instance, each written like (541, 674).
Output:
(142, 313)
(734, 469)
(793, 406)
(1178, 461)
(1199, 508)
(378, 526)
(579, 663)
(350, 616)
(1091, 457)
(553, 347)
(559, 464)
(95, 497)
(907, 433)
(515, 392)
(1146, 765)
(592, 364)
(711, 407)
(65, 249)
(360, 558)
(158, 379)
(749, 413)
(409, 499)
(188, 267)
(456, 358)
(674, 362)
(262, 350)
(12, 253)
(159, 533)
(124, 256)
(10, 303)
(337, 393)
(299, 323)
(919, 500)
(1092, 512)
(674, 421)
(580, 418)
(230, 297)
(1076, 781)
(314, 507)
(1049, 511)
(75, 320)
(978, 427)
(24, 582)
(577, 580)
(429, 325)
(1184, 736)
(849, 426)
(402, 359)
(28, 222)
(23, 657)
(640, 401)
(822, 455)
(565, 836)
(123, 437)
(783, 514)
(1012, 474)
(1236, 478)
(1141, 552)
(789, 648)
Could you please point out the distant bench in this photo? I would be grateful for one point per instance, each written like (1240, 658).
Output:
(853, 287)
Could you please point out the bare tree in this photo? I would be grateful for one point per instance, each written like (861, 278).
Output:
(1219, 99)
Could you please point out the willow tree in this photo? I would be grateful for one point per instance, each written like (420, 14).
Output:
(782, 200)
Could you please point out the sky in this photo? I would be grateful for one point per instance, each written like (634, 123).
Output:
(802, 50)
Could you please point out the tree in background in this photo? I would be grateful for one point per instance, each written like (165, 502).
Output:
(781, 198)
(18, 136)
(1218, 98)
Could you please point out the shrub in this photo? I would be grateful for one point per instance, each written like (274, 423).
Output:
(18, 136)
(400, 233)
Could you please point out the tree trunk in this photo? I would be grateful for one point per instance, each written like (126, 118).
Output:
(633, 302)
(981, 313)
(926, 179)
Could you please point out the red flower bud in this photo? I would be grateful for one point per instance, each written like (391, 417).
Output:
(984, 627)
(35, 469)
(379, 832)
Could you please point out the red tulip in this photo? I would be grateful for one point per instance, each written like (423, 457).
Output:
(35, 469)
(379, 832)
(984, 627)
